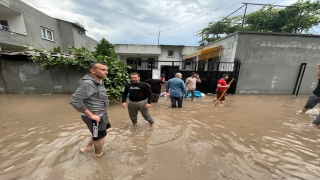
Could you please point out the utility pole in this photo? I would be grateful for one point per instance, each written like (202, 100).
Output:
(244, 15)
(299, 18)
(227, 17)
(159, 37)
(245, 11)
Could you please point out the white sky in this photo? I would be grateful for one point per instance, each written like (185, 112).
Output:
(139, 21)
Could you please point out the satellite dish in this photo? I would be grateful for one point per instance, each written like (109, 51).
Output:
(203, 43)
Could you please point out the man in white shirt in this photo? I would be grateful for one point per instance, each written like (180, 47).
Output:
(191, 83)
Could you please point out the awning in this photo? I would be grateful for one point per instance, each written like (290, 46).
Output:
(191, 55)
(210, 53)
(206, 53)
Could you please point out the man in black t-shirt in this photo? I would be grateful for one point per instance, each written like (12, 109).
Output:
(155, 85)
(314, 100)
(140, 97)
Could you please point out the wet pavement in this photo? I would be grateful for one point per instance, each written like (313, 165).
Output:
(252, 137)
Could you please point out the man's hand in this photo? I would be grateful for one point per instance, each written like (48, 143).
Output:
(318, 65)
(227, 86)
(124, 105)
(147, 106)
(95, 118)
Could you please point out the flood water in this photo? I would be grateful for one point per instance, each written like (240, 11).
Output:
(252, 137)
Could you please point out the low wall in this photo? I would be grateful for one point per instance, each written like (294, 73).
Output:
(30, 77)
(270, 62)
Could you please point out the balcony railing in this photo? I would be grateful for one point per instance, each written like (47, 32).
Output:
(12, 30)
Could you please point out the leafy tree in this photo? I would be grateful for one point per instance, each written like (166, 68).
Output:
(81, 58)
(300, 17)
(105, 48)
(57, 49)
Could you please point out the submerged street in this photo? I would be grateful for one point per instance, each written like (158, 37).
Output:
(252, 137)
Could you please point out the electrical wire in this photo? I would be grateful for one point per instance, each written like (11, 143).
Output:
(197, 17)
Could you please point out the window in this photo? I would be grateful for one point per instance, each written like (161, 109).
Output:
(4, 25)
(201, 65)
(151, 62)
(134, 61)
(79, 31)
(213, 64)
(170, 53)
(47, 34)
(188, 62)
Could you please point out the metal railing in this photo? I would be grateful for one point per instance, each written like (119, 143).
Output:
(12, 30)
(181, 65)
(209, 72)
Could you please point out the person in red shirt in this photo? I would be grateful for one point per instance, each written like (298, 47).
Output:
(162, 77)
(222, 85)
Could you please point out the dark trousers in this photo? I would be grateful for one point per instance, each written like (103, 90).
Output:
(174, 101)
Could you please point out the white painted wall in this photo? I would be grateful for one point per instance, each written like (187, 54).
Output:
(137, 49)
(229, 46)
(164, 55)
(150, 51)
(156, 72)
(189, 50)
(144, 57)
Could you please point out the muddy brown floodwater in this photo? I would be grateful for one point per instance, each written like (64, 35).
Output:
(252, 137)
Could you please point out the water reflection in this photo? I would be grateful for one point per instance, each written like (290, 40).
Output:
(252, 137)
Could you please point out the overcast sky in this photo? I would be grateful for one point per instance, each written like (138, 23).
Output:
(139, 21)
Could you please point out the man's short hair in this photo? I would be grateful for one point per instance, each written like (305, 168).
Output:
(193, 73)
(224, 75)
(178, 75)
(135, 73)
(93, 65)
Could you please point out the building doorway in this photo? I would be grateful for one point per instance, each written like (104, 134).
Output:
(169, 71)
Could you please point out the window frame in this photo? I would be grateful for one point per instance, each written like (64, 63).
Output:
(172, 53)
(79, 31)
(44, 34)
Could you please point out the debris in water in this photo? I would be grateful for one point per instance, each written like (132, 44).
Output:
(8, 168)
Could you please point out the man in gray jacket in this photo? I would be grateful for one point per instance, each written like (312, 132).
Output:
(91, 100)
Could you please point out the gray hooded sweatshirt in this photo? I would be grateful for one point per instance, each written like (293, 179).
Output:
(90, 95)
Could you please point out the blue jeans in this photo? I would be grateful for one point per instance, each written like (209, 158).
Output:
(192, 93)
(174, 101)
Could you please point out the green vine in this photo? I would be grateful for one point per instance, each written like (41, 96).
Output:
(81, 57)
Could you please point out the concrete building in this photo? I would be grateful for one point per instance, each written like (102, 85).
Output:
(160, 57)
(23, 27)
(270, 62)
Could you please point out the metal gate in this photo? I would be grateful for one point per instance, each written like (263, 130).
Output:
(210, 72)
(144, 68)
